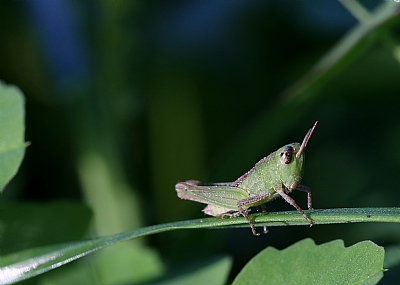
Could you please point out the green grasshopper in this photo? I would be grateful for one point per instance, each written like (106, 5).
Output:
(273, 176)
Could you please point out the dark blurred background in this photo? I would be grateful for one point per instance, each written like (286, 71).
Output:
(126, 98)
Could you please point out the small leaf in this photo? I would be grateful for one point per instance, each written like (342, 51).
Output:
(307, 263)
(12, 128)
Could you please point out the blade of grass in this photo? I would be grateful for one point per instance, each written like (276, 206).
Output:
(299, 97)
(357, 10)
(26, 264)
(363, 15)
(344, 52)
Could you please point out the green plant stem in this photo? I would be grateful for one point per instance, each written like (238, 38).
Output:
(23, 265)
(333, 216)
(28, 263)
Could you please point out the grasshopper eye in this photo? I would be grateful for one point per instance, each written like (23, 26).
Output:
(287, 155)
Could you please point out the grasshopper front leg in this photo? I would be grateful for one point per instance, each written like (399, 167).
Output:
(293, 203)
(306, 189)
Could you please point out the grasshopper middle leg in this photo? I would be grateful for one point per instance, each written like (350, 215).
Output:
(248, 202)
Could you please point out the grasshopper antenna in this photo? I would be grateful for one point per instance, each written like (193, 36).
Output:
(305, 141)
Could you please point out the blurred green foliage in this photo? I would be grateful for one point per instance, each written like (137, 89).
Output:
(169, 91)
(12, 131)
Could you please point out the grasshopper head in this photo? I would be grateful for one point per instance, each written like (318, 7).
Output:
(290, 161)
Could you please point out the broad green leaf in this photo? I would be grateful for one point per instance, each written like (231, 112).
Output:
(12, 129)
(308, 263)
